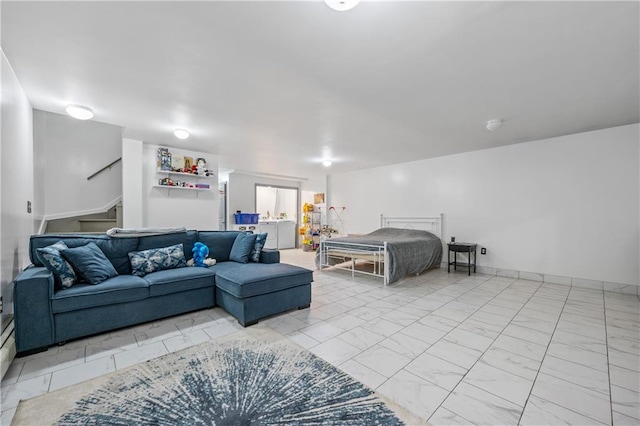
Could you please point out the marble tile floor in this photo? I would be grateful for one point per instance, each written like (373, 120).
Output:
(453, 349)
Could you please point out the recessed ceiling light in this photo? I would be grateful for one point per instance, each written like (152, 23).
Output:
(181, 133)
(493, 125)
(80, 112)
(327, 163)
(342, 5)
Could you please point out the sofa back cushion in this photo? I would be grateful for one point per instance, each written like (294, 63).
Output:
(116, 249)
(187, 239)
(219, 243)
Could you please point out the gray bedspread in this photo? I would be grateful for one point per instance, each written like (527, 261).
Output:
(410, 251)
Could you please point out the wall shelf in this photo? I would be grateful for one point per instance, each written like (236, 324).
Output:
(169, 172)
(181, 187)
(168, 177)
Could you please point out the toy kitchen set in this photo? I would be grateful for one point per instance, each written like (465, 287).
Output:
(281, 233)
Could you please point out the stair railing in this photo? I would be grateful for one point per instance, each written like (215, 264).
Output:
(108, 166)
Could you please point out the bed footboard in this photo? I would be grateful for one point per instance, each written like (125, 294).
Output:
(349, 256)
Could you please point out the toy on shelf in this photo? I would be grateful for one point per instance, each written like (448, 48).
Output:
(201, 169)
(177, 163)
(163, 159)
(166, 182)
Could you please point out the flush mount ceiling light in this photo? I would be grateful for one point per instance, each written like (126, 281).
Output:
(327, 163)
(80, 112)
(342, 5)
(181, 133)
(493, 125)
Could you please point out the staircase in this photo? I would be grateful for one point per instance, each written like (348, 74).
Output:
(97, 223)
(95, 220)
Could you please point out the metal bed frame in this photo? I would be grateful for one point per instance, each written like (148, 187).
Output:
(349, 254)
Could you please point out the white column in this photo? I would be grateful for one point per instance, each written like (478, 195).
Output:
(132, 207)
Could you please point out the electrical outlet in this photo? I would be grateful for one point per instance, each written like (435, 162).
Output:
(483, 250)
(28, 206)
(1, 305)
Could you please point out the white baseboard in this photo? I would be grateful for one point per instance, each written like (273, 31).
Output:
(556, 279)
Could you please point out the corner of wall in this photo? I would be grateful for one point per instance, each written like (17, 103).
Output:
(16, 181)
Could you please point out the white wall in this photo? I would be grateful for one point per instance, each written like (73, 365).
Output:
(566, 206)
(16, 182)
(67, 151)
(165, 207)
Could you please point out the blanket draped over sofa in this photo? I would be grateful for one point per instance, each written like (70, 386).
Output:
(45, 313)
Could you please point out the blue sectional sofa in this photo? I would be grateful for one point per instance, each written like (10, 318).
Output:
(46, 314)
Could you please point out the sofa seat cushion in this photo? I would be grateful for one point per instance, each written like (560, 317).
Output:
(252, 279)
(179, 279)
(118, 289)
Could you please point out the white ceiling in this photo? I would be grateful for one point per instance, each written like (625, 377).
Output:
(274, 87)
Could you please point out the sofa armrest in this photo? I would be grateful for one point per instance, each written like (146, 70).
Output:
(270, 256)
(33, 319)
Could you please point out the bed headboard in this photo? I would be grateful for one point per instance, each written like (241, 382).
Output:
(431, 224)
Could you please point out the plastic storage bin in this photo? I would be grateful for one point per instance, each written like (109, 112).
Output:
(246, 218)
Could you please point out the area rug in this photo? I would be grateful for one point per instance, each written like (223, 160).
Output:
(253, 377)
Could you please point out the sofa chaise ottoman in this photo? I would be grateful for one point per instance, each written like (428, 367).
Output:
(253, 291)
(248, 287)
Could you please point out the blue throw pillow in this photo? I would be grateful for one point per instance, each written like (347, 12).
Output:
(261, 239)
(158, 259)
(90, 263)
(242, 247)
(52, 259)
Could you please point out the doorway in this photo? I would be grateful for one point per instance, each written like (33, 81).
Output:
(277, 202)
(279, 205)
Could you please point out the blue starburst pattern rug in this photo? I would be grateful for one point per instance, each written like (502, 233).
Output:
(255, 377)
